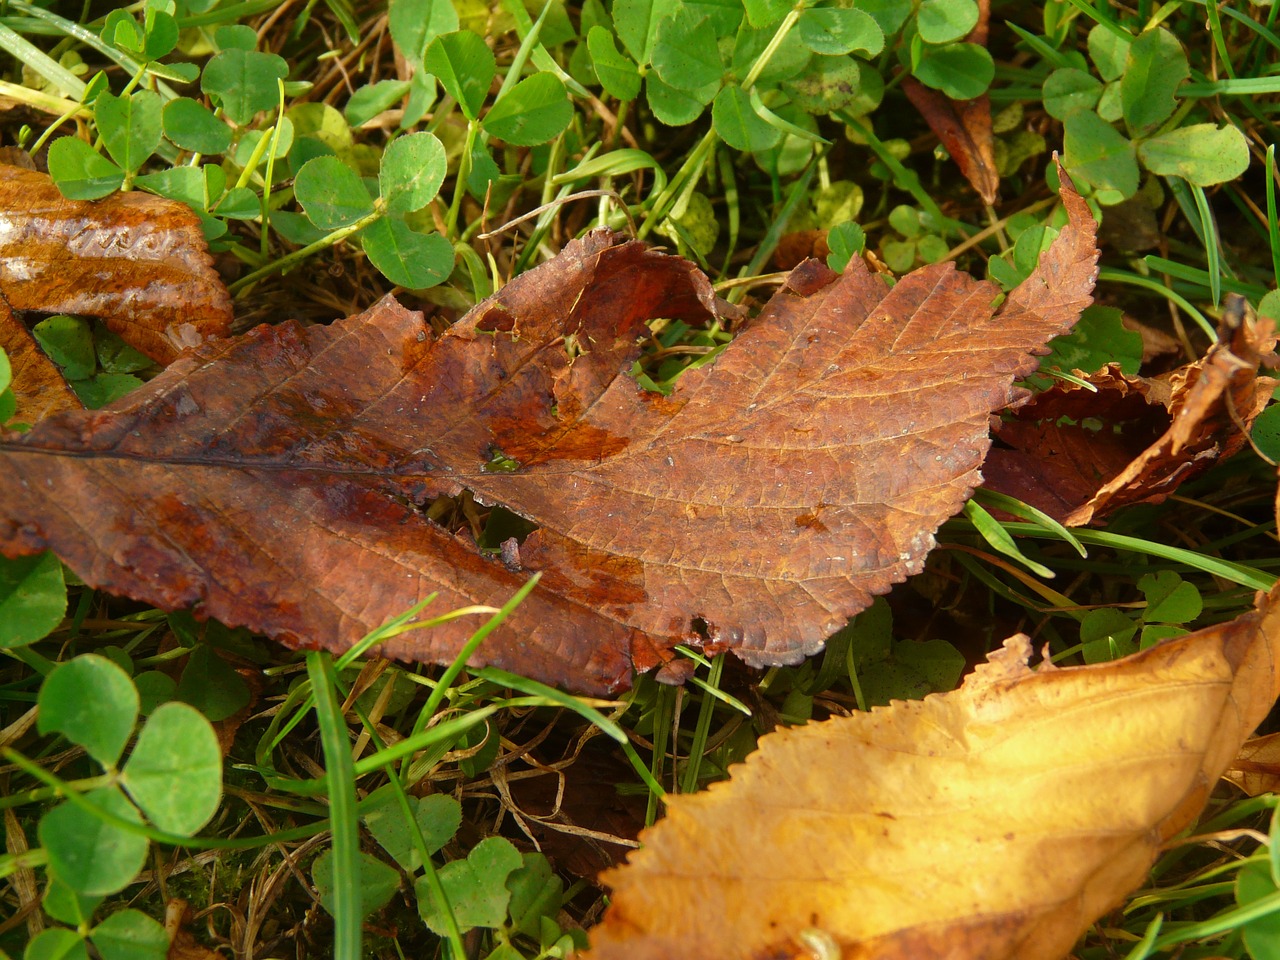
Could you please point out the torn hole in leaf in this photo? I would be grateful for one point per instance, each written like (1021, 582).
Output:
(494, 529)
(499, 462)
(673, 347)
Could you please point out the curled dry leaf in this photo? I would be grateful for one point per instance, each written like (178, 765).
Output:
(282, 480)
(1174, 427)
(38, 384)
(136, 261)
(965, 825)
(1256, 769)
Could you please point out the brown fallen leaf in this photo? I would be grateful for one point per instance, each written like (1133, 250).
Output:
(281, 480)
(1256, 769)
(996, 821)
(963, 126)
(38, 384)
(798, 246)
(1171, 428)
(136, 261)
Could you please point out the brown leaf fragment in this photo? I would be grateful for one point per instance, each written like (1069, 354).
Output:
(182, 943)
(799, 245)
(1256, 769)
(136, 261)
(38, 384)
(964, 127)
(971, 826)
(1160, 432)
(281, 480)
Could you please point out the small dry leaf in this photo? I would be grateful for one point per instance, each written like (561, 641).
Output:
(182, 944)
(1171, 428)
(136, 261)
(1256, 769)
(997, 821)
(284, 480)
(963, 126)
(38, 384)
(798, 246)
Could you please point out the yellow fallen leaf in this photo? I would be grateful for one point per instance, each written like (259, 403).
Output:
(995, 821)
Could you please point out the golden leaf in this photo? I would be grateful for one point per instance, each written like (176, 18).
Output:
(995, 821)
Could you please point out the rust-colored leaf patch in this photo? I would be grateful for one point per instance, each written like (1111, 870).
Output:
(136, 261)
(1161, 431)
(282, 480)
(38, 384)
(996, 821)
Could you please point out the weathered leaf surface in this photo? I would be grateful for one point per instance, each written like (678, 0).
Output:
(1175, 427)
(280, 480)
(137, 261)
(996, 821)
(38, 385)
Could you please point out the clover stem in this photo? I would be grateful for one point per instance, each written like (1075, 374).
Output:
(284, 263)
(767, 53)
(460, 185)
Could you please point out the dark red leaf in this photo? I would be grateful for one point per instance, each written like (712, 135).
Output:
(280, 480)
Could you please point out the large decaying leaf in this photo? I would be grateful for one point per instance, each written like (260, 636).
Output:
(280, 480)
(996, 821)
(1172, 428)
(137, 261)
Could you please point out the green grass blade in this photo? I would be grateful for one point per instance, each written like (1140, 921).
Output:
(504, 678)
(88, 37)
(1219, 41)
(1181, 271)
(542, 59)
(1147, 283)
(28, 54)
(615, 163)
(705, 712)
(473, 643)
(998, 537)
(1142, 949)
(1273, 223)
(1037, 44)
(343, 827)
(1246, 576)
(1209, 231)
(1002, 501)
(1222, 923)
